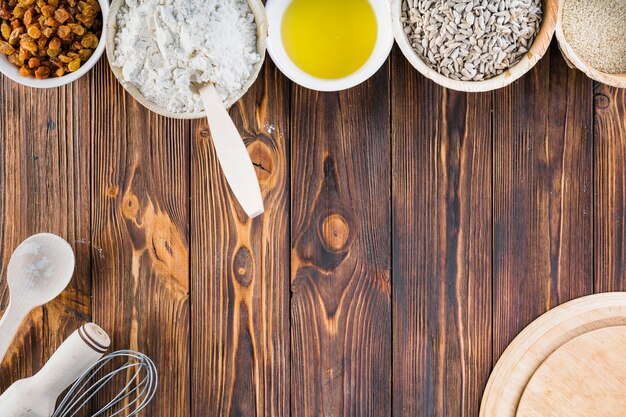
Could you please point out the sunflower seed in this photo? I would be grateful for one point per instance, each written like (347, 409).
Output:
(471, 40)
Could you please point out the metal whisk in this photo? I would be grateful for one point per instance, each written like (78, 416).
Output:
(133, 371)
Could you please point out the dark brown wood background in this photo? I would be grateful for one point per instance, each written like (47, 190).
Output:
(411, 232)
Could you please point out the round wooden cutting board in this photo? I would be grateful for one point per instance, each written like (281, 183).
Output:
(585, 377)
(539, 340)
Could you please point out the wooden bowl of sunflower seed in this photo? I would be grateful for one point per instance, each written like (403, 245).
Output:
(474, 45)
(592, 38)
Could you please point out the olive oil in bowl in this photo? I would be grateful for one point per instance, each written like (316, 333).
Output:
(329, 39)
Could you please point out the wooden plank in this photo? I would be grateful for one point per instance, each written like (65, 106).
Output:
(543, 160)
(140, 218)
(240, 267)
(610, 188)
(340, 312)
(441, 247)
(44, 183)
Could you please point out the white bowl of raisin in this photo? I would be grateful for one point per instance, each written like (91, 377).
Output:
(50, 43)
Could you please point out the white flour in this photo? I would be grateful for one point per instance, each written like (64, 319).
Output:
(163, 46)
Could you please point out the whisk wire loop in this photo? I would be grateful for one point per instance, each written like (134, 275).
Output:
(138, 390)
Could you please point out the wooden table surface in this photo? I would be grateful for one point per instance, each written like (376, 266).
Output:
(411, 232)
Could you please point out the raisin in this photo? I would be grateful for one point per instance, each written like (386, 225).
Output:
(42, 73)
(62, 15)
(89, 11)
(48, 11)
(15, 60)
(47, 32)
(59, 72)
(5, 30)
(6, 48)
(85, 20)
(77, 29)
(34, 32)
(55, 44)
(89, 41)
(64, 32)
(15, 36)
(85, 54)
(51, 22)
(28, 43)
(24, 54)
(34, 63)
(19, 12)
(74, 65)
(28, 17)
(25, 72)
(56, 61)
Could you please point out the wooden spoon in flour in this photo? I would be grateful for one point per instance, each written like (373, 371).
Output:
(232, 153)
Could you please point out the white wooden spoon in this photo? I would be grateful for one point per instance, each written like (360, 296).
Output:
(39, 270)
(232, 153)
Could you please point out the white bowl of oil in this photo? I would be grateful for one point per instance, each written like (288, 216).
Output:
(329, 45)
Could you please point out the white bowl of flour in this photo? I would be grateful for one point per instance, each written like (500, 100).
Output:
(160, 49)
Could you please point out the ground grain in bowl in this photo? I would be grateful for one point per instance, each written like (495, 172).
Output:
(164, 47)
(596, 30)
(471, 40)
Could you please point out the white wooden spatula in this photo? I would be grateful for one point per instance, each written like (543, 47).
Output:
(232, 153)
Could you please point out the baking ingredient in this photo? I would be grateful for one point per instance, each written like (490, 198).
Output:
(596, 30)
(164, 46)
(471, 40)
(329, 39)
(49, 38)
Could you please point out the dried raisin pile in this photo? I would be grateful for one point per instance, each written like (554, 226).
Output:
(49, 38)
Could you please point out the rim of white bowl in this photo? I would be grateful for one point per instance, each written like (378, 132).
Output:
(12, 72)
(382, 48)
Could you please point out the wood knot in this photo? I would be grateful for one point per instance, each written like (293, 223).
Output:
(335, 232)
(205, 133)
(602, 101)
(243, 268)
(112, 191)
(262, 158)
(130, 206)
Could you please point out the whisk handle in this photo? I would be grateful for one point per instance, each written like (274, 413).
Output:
(36, 396)
(72, 359)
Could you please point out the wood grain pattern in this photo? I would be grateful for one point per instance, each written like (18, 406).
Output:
(542, 196)
(442, 247)
(340, 270)
(585, 377)
(610, 188)
(240, 267)
(140, 243)
(44, 183)
(410, 234)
